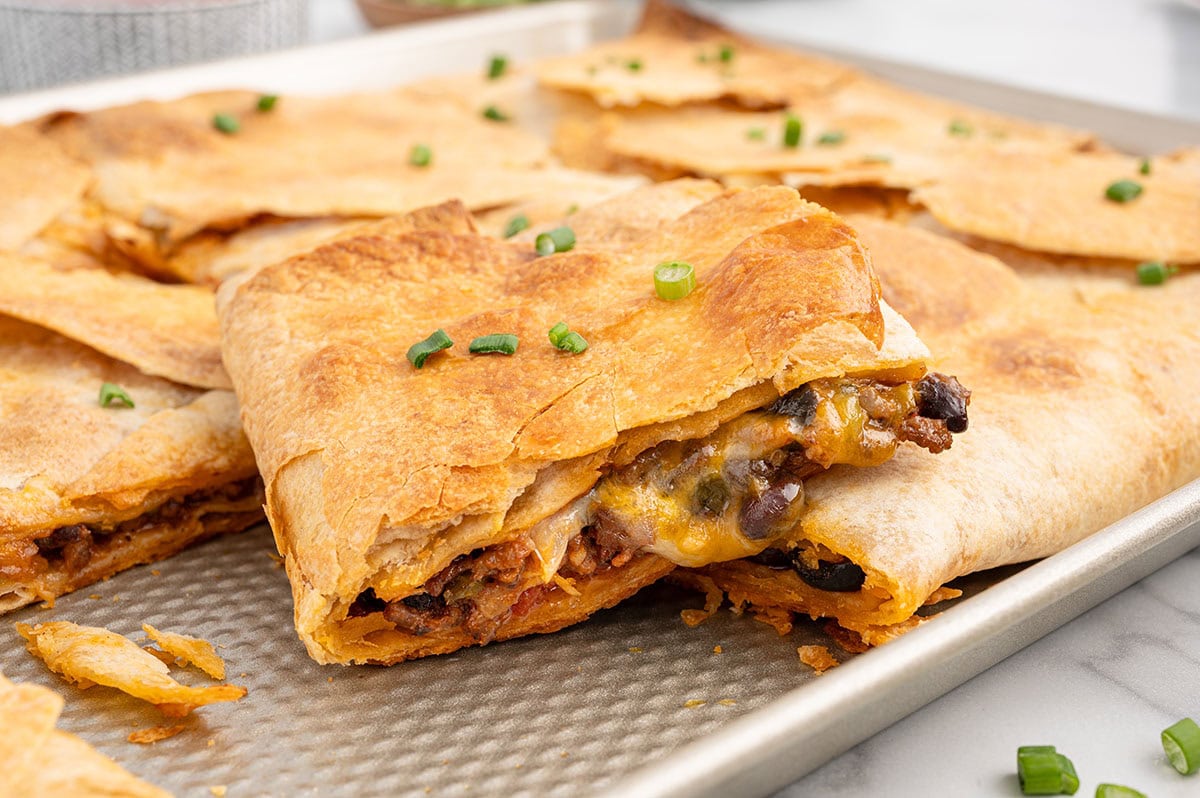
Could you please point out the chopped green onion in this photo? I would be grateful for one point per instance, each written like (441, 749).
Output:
(558, 332)
(634, 65)
(831, 137)
(877, 157)
(702, 57)
(497, 67)
(495, 114)
(572, 342)
(516, 224)
(573, 208)
(726, 53)
(226, 123)
(1043, 771)
(562, 337)
(418, 353)
(674, 279)
(1182, 744)
(420, 155)
(267, 102)
(958, 127)
(496, 343)
(110, 392)
(1154, 272)
(793, 129)
(1144, 166)
(1117, 791)
(560, 239)
(756, 133)
(1123, 191)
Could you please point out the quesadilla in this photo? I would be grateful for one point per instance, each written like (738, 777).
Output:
(1075, 423)
(87, 490)
(40, 182)
(483, 497)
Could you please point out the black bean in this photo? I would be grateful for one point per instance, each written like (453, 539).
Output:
(366, 603)
(60, 538)
(942, 397)
(423, 602)
(767, 515)
(712, 495)
(775, 559)
(835, 577)
(800, 404)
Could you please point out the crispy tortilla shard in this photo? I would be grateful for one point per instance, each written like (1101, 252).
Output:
(191, 650)
(436, 509)
(90, 655)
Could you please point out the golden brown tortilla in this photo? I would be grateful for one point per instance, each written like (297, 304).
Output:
(379, 474)
(1083, 410)
(65, 460)
(40, 182)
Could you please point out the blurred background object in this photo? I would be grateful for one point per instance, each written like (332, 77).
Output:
(381, 13)
(47, 42)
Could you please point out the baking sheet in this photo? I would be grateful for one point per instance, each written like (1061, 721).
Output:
(610, 706)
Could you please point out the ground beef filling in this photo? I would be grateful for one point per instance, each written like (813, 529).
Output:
(854, 421)
(69, 549)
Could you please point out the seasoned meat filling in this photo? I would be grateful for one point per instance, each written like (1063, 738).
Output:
(721, 497)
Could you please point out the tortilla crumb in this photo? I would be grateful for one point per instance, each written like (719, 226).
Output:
(566, 585)
(692, 703)
(564, 755)
(713, 597)
(189, 650)
(218, 790)
(211, 742)
(943, 593)
(330, 680)
(778, 619)
(727, 702)
(817, 657)
(635, 649)
(155, 572)
(154, 734)
(95, 597)
(48, 604)
(848, 641)
(718, 650)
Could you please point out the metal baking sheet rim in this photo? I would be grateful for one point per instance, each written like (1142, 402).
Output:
(767, 748)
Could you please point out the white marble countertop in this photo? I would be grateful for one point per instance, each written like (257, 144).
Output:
(1104, 686)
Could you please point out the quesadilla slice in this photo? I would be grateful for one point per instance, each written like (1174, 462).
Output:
(1075, 423)
(481, 497)
(40, 182)
(90, 486)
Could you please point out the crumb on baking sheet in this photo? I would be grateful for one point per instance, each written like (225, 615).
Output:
(692, 703)
(154, 734)
(218, 790)
(727, 702)
(817, 657)
(211, 742)
(95, 597)
(635, 649)
(718, 650)
(155, 572)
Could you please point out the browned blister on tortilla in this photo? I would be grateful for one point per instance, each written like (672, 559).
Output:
(90, 655)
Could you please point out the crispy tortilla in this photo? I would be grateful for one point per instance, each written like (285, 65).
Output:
(178, 461)
(386, 505)
(165, 330)
(40, 182)
(1075, 423)
(189, 650)
(37, 759)
(1056, 203)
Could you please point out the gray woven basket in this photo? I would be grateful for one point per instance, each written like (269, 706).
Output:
(47, 42)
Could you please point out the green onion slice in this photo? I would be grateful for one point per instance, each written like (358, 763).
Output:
(418, 353)
(726, 53)
(1144, 166)
(111, 392)
(634, 65)
(756, 133)
(420, 155)
(958, 127)
(1154, 272)
(877, 157)
(495, 114)
(560, 239)
(496, 343)
(1182, 744)
(831, 137)
(674, 279)
(226, 123)
(793, 129)
(497, 67)
(516, 224)
(558, 332)
(1123, 190)
(267, 102)
(572, 342)
(1117, 791)
(1043, 771)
